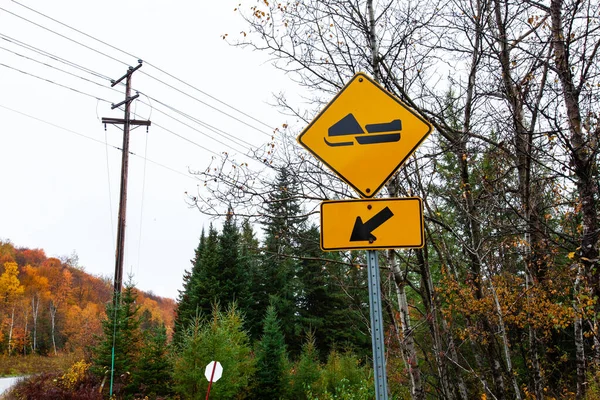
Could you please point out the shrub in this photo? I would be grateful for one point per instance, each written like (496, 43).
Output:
(50, 386)
(342, 378)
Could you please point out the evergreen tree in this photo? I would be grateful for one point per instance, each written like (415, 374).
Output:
(186, 307)
(306, 369)
(231, 279)
(251, 269)
(324, 308)
(282, 223)
(221, 338)
(152, 375)
(121, 327)
(205, 288)
(271, 360)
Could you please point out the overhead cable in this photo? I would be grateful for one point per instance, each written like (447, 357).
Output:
(58, 69)
(157, 68)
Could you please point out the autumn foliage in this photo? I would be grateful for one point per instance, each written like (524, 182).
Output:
(50, 305)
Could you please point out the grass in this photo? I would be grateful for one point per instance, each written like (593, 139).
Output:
(35, 364)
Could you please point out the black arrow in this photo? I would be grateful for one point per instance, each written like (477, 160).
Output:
(362, 231)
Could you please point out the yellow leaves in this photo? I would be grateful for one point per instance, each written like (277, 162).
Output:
(571, 255)
(10, 286)
(74, 375)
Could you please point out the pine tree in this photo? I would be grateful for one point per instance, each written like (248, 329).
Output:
(250, 269)
(205, 283)
(282, 223)
(121, 327)
(152, 375)
(306, 369)
(186, 307)
(221, 338)
(271, 360)
(324, 308)
(231, 279)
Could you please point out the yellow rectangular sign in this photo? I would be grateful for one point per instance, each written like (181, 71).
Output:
(372, 224)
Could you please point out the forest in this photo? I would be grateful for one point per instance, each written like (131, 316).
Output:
(502, 302)
(51, 305)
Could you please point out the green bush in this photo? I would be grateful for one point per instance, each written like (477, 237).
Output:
(305, 371)
(219, 339)
(342, 378)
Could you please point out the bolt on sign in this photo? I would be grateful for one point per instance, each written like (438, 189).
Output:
(364, 135)
(372, 224)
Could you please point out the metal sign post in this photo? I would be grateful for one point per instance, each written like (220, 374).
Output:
(379, 370)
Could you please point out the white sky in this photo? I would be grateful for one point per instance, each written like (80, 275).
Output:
(55, 184)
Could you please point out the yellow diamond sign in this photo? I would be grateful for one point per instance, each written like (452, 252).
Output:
(364, 135)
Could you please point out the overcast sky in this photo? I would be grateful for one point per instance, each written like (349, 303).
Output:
(60, 181)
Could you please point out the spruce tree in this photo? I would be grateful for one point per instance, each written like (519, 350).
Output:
(231, 279)
(271, 360)
(121, 328)
(219, 338)
(282, 222)
(186, 307)
(250, 266)
(205, 290)
(324, 307)
(306, 369)
(152, 375)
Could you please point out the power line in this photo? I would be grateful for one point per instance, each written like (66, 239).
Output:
(106, 101)
(104, 77)
(202, 133)
(75, 29)
(64, 37)
(158, 69)
(220, 132)
(240, 142)
(58, 69)
(205, 103)
(55, 83)
(96, 140)
(52, 56)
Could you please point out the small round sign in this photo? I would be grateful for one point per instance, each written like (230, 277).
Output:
(213, 370)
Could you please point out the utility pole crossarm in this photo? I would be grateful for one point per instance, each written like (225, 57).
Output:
(121, 121)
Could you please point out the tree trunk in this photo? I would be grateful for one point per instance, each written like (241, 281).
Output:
(10, 332)
(433, 321)
(505, 344)
(34, 313)
(583, 154)
(53, 325)
(408, 344)
(578, 332)
(26, 317)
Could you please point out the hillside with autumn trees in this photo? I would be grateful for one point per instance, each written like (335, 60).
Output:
(50, 305)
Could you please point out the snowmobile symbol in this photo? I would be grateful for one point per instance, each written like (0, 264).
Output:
(389, 132)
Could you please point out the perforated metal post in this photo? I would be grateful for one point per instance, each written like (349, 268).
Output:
(381, 392)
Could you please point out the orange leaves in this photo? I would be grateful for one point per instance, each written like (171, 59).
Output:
(542, 306)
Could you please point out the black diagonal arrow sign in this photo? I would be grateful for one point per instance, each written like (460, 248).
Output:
(363, 231)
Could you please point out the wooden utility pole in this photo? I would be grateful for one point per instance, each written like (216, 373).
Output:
(127, 123)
